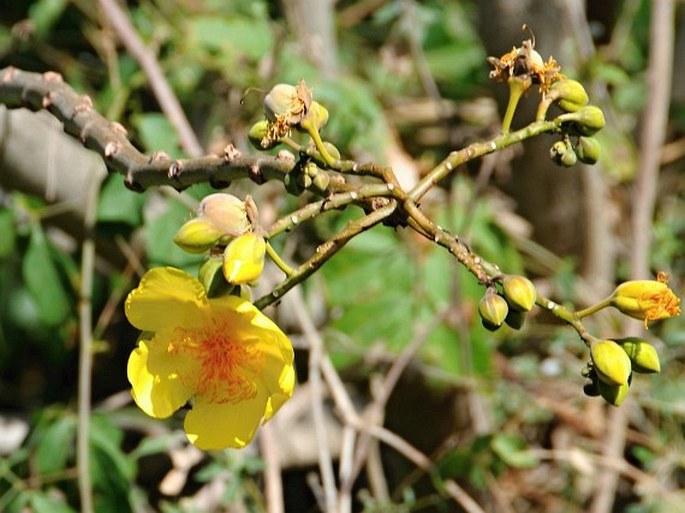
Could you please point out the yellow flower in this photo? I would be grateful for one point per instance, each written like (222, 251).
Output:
(222, 354)
(647, 300)
(244, 258)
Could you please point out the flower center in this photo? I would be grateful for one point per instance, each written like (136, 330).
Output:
(226, 366)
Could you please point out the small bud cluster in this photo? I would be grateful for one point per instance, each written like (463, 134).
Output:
(613, 362)
(578, 124)
(226, 229)
(511, 306)
(288, 107)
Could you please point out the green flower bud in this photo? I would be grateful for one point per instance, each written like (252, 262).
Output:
(519, 292)
(515, 319)
(225, 212)
(585, 121)
(570, 93)
(197, 235)
(211, 276)
(557, 151)
(321, 181)
(493, 310)
(613, 394)
(259, 136)
(316, 116)
(304, 180)
(588, 149)
(642, 354)
(611, 362)
(569, 158)
(332, 150)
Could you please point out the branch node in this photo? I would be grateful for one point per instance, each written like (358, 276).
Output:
(256, 174)
(175, 169)
(231, 153)
(8, 76)
(159, 156)
(111, 148)
(85, 104)
(47, 99)
(285, 155)
(53, 76)
(118, 128)
(131, 184)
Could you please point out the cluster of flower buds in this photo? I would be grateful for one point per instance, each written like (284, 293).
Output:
(226, 228)
(510, 306)
(613, 363)
(578, 124)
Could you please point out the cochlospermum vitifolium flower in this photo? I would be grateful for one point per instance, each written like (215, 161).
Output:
(647, 300)
(223, 356)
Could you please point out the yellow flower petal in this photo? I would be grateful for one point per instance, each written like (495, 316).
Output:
(286, 385)
(212, 426)
(648, 300)
(244, 258)
(165, 295)
(154, 376)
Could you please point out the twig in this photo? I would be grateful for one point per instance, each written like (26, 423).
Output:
(325, 251)
(315, 356)
(114, 15)
(85, 311)
(273, 484)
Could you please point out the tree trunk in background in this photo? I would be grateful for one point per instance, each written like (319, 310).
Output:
(313, 22)
(547, 195)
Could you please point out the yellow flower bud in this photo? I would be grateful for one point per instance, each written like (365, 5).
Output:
(613, 394)
(244, 259)
(519, 292)
(493, 310)
(197, 235)
(611, 362)
(647, 300)
(226, 213)
(642, 354)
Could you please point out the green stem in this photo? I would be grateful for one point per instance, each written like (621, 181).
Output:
(278, 260)
(516, 88)
(475, 150)
(333, 202)
(314, 134)
(594, 308)
(566, 315)
(325, 251)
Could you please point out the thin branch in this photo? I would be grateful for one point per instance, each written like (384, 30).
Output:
(273, 484)
(120, 22)
(315, 357)
(85, 311)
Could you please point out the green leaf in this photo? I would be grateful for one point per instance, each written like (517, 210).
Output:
(119, 204)
(9, 235)
(43, 280)
(156, 133)
(513, 451)
(44, 14)
(56, 445)
(161, 230)
(233, 36)
(44, 503)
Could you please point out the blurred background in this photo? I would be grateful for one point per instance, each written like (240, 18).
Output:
(405, 82)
